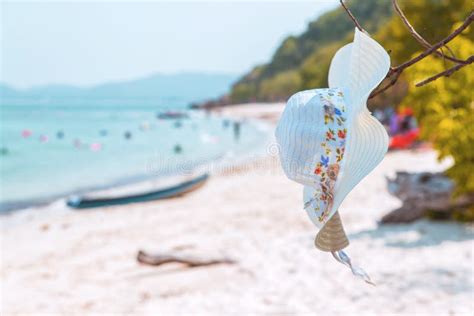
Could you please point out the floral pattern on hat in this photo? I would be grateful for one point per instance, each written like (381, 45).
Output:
(333, 147)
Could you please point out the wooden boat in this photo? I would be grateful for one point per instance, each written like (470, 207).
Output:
(78, 202)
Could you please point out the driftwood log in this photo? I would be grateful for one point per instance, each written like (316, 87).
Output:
(191, 262)
(421, 193)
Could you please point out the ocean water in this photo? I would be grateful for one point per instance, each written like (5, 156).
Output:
(49, 151)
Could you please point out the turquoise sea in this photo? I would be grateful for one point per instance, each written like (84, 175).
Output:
(49, 150)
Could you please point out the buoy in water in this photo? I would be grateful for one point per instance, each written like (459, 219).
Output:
(43, 138)
(127, 135)
(178, 149)
(103, 132)
(60, 134)
(3, 151)
(95, 146)
(145, 126)
(26, 133)
(77, 143)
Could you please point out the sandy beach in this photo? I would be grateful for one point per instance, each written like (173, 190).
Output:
(59, 261)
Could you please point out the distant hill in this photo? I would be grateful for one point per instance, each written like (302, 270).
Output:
(182, 88)
(302, 61)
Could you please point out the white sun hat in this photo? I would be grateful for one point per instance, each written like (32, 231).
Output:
(329, 141)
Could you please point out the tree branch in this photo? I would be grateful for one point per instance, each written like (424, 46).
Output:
(357, 24)
(419, 38)
(397, 70)
(441, 43)
(392, 82)
(446, 73)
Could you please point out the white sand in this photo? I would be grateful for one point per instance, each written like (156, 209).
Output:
(57, 261)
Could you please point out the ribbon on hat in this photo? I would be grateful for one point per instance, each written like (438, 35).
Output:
(329, 141)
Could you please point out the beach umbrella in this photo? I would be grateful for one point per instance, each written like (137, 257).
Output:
(329, 141)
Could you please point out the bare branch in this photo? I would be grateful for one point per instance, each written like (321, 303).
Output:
(450, 51)
(446, 73)
(357, 24)
(392, 82)
(441, 43)
(418, 37)
(412, 30)
(397, 70)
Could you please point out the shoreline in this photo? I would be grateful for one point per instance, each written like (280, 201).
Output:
(171, 177)
(9, 207)
(85, 262)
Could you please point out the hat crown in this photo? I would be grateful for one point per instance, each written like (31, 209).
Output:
(310, 131)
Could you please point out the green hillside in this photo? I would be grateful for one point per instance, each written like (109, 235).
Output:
(303, 61)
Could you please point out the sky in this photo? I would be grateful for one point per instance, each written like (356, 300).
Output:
(88, 42)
